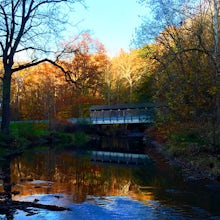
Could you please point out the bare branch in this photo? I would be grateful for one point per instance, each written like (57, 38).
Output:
(35, 63)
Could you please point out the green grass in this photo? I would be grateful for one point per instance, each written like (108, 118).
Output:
(28, 130)
(25, 134)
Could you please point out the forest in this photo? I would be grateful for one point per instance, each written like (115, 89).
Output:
(177, 64)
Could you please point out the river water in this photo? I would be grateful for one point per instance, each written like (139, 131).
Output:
(99, 191)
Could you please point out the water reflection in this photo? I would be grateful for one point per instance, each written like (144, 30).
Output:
(67, 173)
(128, 144)
(6, 188)
(68, 178)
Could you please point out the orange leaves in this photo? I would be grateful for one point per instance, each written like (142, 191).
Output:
(86, 67)
(36, 91)
(42, 92)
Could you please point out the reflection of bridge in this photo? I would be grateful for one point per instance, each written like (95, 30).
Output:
(119, 158)
(124, 113)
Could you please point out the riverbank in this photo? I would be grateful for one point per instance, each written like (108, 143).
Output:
(197, 166)
(197, 162)
(26, 135)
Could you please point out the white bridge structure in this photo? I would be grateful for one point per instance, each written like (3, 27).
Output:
(124, 113)
(132, 113)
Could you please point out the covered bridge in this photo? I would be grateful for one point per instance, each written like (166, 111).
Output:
(124, 113)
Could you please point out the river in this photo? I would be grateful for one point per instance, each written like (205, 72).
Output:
(99, 191)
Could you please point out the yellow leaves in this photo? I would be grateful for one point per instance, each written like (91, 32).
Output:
(185, 70)
(212, 91)
(126, 71)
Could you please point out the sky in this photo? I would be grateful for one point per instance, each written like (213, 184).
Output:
(112, 22)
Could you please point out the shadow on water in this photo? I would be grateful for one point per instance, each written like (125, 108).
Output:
(125, 144)
(6, 192)
(65, 178)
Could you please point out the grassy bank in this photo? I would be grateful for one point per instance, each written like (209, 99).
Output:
(25, 135)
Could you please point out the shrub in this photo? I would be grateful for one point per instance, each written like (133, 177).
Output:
(80, 138)
(61, 126)
(6, 140)
(69, 127)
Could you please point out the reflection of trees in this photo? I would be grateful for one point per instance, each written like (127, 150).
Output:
(7, 180)
(70, 175)
(76, 176)
(7, 205)
(6, 195)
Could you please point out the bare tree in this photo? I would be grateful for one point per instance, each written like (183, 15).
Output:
(27, 29)
(216, 8)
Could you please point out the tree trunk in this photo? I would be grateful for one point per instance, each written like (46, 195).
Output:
(130, 90)
(6, 102)
(217, 60)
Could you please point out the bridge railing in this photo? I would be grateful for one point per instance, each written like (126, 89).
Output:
(122, 119)
(114, 120)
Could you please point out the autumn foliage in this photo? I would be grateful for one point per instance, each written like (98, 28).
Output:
(177, 70)
(90, 78)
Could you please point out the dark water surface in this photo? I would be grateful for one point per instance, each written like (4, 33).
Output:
(107, 191)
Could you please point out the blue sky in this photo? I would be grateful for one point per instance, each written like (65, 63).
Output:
(112, 22)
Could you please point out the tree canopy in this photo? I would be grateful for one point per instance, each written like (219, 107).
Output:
(186, 43)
